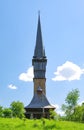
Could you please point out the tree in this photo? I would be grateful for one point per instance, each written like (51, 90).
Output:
(78, 114)
(71, 102)
(72, 98)
(7, 112)
(53, 114)
(1, 111)
(17, 109)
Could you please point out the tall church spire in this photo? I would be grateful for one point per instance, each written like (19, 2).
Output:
(39, 106)
(39, 51)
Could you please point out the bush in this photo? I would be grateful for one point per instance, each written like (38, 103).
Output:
(7, 112)
(17, 109)
(1, 111)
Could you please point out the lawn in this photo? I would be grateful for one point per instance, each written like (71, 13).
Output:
(42, 124)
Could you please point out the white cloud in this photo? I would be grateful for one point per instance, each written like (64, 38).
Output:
(68, 71)
(12, 86)
(27, 76)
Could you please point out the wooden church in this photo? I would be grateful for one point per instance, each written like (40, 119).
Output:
(39, 106)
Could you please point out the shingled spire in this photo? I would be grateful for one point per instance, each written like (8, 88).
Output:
(39, 51)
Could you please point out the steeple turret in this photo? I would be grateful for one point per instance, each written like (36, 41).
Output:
(39, 60)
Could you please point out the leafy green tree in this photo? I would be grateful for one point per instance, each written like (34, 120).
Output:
(82, 112)
(78, 114)
(1, 111)
(72, 97)
(7, 112)
(17, 109)
(70, 103)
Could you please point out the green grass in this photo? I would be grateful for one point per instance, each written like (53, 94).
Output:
(42, 124)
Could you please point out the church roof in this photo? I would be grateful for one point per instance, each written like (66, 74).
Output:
(39, 101)
(39, 51)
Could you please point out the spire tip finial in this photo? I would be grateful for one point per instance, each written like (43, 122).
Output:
(39, 13)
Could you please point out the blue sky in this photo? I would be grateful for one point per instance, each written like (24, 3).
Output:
(62, 24)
